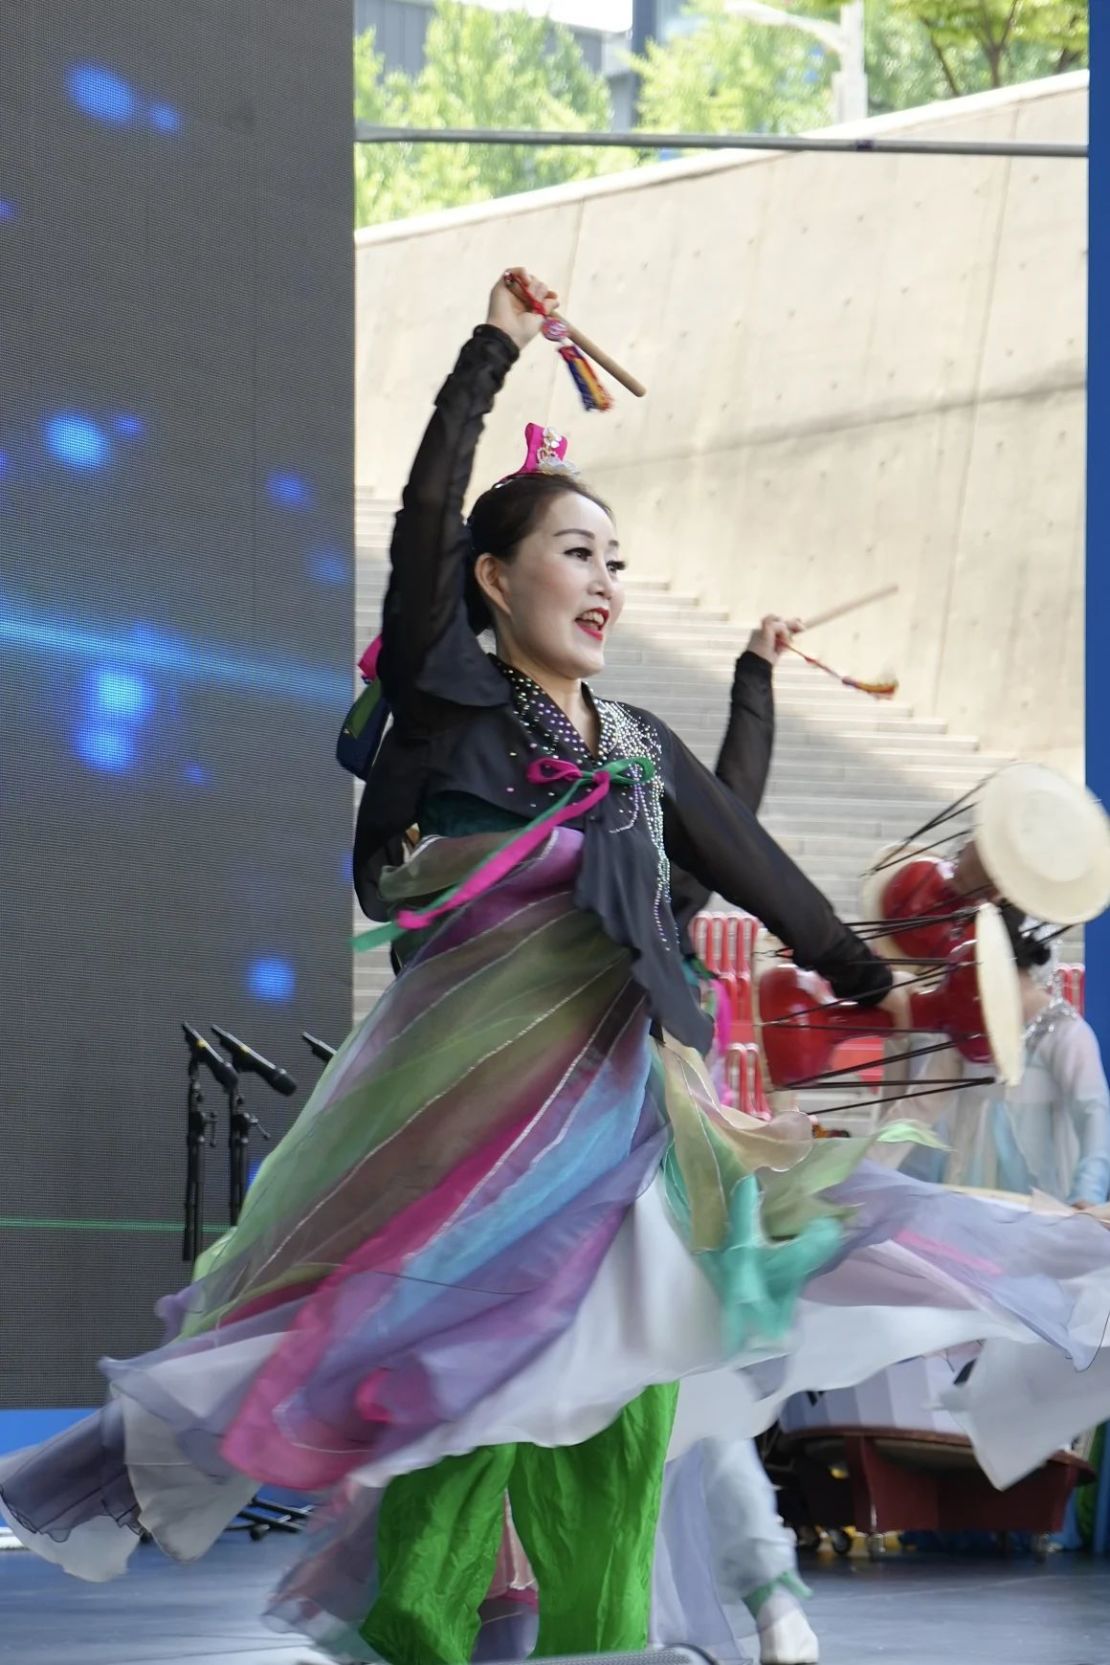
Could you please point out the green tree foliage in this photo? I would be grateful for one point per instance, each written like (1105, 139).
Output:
(726, 75)
(481, 69)
(992, 43)
(920, 50)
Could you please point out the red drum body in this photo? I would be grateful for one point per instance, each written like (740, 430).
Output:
(976, 1005)
(920, 905)
(920, 900)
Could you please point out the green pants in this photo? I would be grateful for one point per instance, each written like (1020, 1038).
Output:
(586, 1515)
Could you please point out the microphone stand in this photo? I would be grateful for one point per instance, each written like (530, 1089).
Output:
(240, 1123)
(199, 1123)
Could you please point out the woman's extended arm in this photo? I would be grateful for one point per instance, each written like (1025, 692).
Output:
(430, 543)
(710, 834)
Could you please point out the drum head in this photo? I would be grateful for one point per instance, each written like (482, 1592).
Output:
(1045, 843)
(999, 994)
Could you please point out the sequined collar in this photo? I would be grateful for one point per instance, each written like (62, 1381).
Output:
(539, 713)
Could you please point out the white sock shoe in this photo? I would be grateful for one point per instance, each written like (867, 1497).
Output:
(786, 1636)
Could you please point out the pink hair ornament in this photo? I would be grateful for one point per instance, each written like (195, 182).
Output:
(546, 454)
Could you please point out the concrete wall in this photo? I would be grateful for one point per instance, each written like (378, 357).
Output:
(860, 368)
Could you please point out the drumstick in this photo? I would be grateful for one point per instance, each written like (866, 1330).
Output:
(884, 689)
(592, 350)
(844, 607)
(582, 342)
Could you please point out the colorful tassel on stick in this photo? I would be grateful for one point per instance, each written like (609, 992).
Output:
(591, 389)
(884, 689)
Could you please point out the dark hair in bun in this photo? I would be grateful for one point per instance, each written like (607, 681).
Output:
(1029, 949)
(503, 517)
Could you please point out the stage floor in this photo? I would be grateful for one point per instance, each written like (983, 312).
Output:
(905, 1612)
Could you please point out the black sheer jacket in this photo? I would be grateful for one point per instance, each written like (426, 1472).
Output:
(464, 728)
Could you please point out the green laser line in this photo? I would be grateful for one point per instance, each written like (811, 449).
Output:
(19, 1222)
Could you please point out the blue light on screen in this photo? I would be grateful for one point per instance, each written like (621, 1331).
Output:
(129, 426)
(99, 92)
(5, 465)
(77, 441)
(165, 119)
(195, 774)
(102, 94)
(271, 978)
(7, 211)
(153, 650)
(289, 491)
(116, 701)
(106, 747)
(329, 566)
(121, 694)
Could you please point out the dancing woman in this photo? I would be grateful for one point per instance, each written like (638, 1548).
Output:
(539, 563)
(513, 1212)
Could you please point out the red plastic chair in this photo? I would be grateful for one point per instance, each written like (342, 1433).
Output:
(744, 1079)
(725, 941)
(1073, 983)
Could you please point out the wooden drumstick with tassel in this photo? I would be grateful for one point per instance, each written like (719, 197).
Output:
(579, 351)
(884, 688)
(592, 350)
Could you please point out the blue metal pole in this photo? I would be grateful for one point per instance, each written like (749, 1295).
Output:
(1098, 564)
(1098, 495)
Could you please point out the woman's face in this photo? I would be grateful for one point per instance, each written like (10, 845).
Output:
(558, 600)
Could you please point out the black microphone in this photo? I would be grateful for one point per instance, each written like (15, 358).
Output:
(204, 1053)
(318, 1049)
(249, 1062)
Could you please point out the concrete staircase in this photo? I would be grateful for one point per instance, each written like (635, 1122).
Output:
(850, 773)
